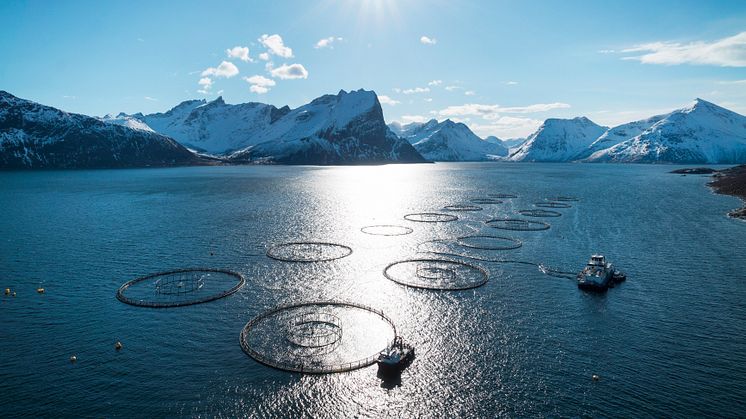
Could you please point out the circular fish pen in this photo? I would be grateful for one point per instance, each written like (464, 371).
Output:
(540, 213)
(181, 287)
(486, 242)
(318, 337)
(486, 201)
(462, 207)
(430, 217)
(502, 195)
(386, 230)
(552, 204)
(308, 252)
(564, 199)
(436, 274)
(517, 224)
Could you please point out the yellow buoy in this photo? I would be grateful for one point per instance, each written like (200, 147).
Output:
(7, 291)
(40, 290)
(595, 377)
(118, 345)
(73, 359)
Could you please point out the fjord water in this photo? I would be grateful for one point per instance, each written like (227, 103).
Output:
(671, 341)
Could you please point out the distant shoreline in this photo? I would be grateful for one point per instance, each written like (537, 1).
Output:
(732, 182)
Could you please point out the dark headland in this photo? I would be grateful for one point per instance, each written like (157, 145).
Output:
(732, 182)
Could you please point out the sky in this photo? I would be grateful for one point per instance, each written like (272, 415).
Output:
(499, 66)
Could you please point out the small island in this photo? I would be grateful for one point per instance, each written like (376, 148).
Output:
(695, 171)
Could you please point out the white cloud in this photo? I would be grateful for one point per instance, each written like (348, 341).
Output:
(428, 99)
(205, 84)
(494, 111)
(242, 53)
(152, 99)
(427, 40)
(606, 51)
(327, 42)
(385, 100)
(292, 71)
(416, 90)
(260, 90)
(225, 69)
(452, 88)
(406, 119)
(470, 93)
(511, 83)
(736, 82)
(396, 89)
(259, 84)
(264, 56)
(260, 80)
(69, 97)
(275, 45)
(725, 52)
(507, 127)
(435, 83)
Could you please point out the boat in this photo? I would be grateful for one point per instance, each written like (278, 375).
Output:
(395, 358)
(599, 275)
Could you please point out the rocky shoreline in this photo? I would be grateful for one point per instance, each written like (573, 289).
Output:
(732, 181)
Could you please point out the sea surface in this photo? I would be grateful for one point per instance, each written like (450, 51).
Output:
(668, 342)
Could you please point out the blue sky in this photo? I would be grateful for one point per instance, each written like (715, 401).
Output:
(500, 66)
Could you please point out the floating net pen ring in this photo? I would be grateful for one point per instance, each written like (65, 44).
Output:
(564, 199)
(436, 274)
(517, 224)
(386, 230)
(551, 204)
(316, 337)
(502, 195)
(509, 242)
(307, 252)
(430, 217)
(462, 207)
(174, 288)
(539, 213)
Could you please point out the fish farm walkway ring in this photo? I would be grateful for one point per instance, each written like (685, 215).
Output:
(551, 204)
(486, 201)
(502, 195)
(462, 207)
(430, 217)
(517, 224)
(386, 230)
(510, 242)
(193, 280)
(331, 340)
(308, 252)
(437, 274)
(539, 213)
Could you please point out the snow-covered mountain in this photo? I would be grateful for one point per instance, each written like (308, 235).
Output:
(214, 127)
(37, 136)
(619, 134)
(126, 120)
(699, 133)
(448, 141)
(346, 128)
(559, 140)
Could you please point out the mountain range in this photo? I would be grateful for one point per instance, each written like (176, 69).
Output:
(346, 128)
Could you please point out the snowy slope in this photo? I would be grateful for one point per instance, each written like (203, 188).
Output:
(214, 127)
(558, 140)
(699, 133)
(347, 128)
(37, 136)
(448, 141)
(125, 120)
